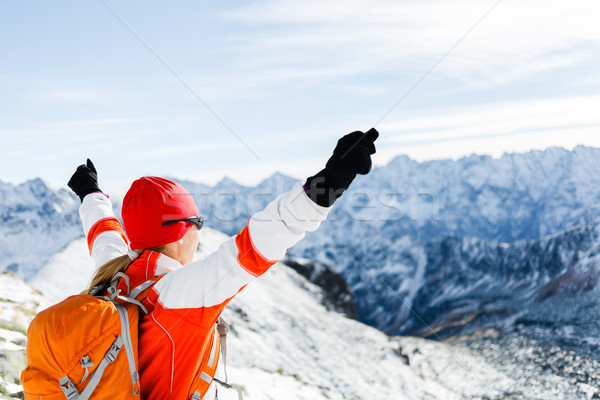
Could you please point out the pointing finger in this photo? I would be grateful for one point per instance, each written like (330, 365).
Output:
(91, 166)
(372, 134)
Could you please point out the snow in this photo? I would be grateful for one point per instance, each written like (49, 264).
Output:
(19, 303)
(270, 386)
(10, 388)
(13, 292)
(210, 239)
(68, 272)
(283, 344)
(11, 338)
(288, 332)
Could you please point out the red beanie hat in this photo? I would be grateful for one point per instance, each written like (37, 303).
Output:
(148, 203)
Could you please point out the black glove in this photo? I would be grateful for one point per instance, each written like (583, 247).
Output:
(351, 156)
(85, 180)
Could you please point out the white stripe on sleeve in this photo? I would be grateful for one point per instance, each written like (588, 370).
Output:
(284, 222)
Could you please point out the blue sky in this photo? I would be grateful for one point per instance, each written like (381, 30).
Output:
(203, 90)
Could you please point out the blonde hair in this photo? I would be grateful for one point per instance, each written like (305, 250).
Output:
(106, 272)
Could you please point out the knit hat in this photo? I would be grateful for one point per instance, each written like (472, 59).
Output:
(148, 203)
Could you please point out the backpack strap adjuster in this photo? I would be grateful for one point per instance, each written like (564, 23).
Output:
(196, 396)
(113, 352)
(68, 388)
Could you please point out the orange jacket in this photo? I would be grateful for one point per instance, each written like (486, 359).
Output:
(178, 347)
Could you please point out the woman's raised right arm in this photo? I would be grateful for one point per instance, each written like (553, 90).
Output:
(204, 287)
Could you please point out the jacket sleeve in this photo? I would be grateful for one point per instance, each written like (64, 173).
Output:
(210, 283)
(105, 236)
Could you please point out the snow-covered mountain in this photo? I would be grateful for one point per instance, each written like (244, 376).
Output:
(285, 344)
(35, 223)
(439, 248)
(519, 196)
(515, 197)
(452, 286)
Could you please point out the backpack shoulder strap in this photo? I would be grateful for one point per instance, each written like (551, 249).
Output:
(128, 344)
(144, 286)
(122, 341)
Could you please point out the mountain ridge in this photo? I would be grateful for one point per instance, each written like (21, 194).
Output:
(400, 219)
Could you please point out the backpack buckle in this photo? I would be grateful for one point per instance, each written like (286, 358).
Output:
(113, 292)
(112, 353)
(68, 388)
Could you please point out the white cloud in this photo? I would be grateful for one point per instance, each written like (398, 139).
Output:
(494, 146)
(326, 40)
(77, 96)
(494, 128)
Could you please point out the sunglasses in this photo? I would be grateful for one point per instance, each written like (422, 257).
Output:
(198, 221)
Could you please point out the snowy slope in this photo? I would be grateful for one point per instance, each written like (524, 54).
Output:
(19, 303)
(67, 272)
(284, 344)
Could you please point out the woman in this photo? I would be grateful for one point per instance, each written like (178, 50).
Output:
(178, 346)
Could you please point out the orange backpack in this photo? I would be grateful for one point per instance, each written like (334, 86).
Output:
(85, 347)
